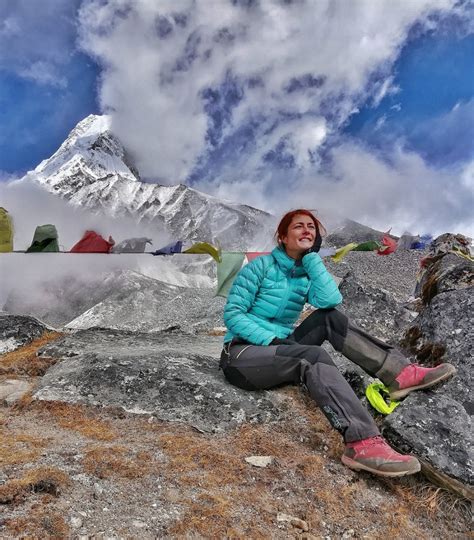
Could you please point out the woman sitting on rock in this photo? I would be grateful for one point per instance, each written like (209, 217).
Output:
(262, 349)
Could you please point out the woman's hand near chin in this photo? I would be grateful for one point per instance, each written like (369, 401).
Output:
(316, 246)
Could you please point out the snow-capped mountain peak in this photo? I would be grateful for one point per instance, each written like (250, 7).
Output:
(90, 152)
(91, 169)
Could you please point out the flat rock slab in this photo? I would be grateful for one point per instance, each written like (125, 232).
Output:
(260, 461)
(11, 390)
(17, 330)
(171, 376)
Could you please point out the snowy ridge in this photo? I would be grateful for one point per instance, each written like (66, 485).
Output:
(90, 149)
(91, 169)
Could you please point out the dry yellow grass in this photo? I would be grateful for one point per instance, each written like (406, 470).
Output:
(41, 480)
(82, 419)
(206, 476)
(41, 523)
(116, 461)
(24, 361)
(17, 448)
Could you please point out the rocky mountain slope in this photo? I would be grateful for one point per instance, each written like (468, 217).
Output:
(351, 231)
(91, 169)
(139, 421)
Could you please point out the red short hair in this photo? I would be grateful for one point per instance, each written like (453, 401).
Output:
(282, 229)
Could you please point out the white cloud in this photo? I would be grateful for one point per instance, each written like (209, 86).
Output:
(44, 73)
(31, 205)
(404, 193)
(159, 57)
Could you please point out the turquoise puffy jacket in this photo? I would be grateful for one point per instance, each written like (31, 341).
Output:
(270, 292)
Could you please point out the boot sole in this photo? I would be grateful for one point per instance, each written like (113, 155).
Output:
(356, 466)
(399, 394)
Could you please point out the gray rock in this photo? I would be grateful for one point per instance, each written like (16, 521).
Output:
(395, 273)
(260, 461)
(12, 390)
(372, 308)
(18, 330)
(76, 522)
(172, 376)
(446, 272)
(438, 429)
(437, 425)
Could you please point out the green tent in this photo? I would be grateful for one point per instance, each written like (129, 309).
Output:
(44, 240)
(6, 231)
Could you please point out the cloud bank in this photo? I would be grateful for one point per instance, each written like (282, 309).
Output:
(246, 100)
(29, 277)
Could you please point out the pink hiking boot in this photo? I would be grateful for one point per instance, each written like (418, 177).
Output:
(416, 377)
(375, 455)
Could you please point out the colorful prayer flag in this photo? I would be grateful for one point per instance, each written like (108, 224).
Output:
(227, 270)
(205, 247)
(251, 255)
(342, 252)
(174, 247)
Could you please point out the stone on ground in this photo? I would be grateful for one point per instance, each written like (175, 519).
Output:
(18, 330)
(173, 377)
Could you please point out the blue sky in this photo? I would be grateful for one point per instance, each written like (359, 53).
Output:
(435, 74)
(247, 100)
(35, 118)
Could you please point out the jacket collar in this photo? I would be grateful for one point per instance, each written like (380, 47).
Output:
(287, 264)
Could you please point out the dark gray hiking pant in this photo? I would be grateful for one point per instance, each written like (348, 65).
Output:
(304, 361)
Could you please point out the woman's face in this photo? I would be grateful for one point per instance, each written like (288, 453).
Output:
(300, 236)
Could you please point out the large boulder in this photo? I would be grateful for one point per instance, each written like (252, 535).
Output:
(171, 376)
(374, 309)
(446, 273)
(437, 425)
(18, 330)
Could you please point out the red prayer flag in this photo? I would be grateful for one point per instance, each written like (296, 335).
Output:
(389, 245)
(251, 255)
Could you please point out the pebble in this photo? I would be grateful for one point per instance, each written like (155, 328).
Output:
(98, 490)
(296, 522)
(260, 461)
(138, 524)
(12, 390)
(76, 522)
